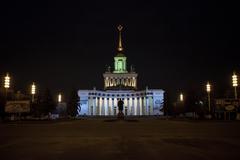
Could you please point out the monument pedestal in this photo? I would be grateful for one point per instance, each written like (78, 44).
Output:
(120, 115)
(120, 110)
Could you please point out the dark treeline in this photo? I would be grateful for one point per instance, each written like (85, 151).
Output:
(43, 104)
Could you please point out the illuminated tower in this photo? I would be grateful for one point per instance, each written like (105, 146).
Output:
(120, 60)
(120, 83)
(120, 78)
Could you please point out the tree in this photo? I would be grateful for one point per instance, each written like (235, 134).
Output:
(2, 105)
(167, 105)
(45, 103)
(36, 106)
(73, 103)
(179, 107)
(193, 102)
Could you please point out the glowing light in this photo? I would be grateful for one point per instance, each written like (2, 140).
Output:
(120, 64)
(59, 98)
(33, 89)
(7, 81)
(181, 97)
(234, 80)
(235, 84)
(208, 87)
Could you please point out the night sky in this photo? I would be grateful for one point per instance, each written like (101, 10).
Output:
(174, 45)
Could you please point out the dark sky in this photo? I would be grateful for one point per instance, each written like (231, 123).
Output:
(174, 45)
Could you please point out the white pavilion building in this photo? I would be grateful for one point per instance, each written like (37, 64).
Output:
(120, 84)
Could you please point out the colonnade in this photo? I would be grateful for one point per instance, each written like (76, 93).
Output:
(110, 82)
(107, 106)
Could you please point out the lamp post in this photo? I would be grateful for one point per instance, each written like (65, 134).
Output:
(7, 83)
(208, 88)
(235, 84)
(33, 91)
(59, 98)
(181, 97)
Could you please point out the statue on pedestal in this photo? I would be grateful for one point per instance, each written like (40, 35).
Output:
(120, 109)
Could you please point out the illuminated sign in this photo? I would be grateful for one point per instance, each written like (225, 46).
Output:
(17, 106)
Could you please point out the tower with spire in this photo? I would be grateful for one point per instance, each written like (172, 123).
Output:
(120, 60)
(120, 84)
(120, 78)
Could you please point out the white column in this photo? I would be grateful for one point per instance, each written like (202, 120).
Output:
(100, 106)
(147, 106)
(125, 105)
(94, 106)
(118, 81)
(90, 101)
(105, 106)
(128, 106)
(133, 82)
(138, 106)
(115, 105)
(110, 82)
(135, 105)
(112, 106)
(151, 105)
(144, 105)
(132, 106)
(106, 82)
(108, 107)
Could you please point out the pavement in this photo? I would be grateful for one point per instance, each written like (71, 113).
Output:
(120, 140)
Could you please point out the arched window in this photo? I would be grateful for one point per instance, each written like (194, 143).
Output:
(120, 65)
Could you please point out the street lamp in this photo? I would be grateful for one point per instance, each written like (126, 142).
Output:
(235, 84)
(181, 97)
(33, 91)
(7, 83)
(208, 88)
(59, 98)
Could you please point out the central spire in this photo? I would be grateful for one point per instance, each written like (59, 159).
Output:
(120, 60)
(120, 48)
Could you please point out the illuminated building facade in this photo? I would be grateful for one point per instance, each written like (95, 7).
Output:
(120, 84)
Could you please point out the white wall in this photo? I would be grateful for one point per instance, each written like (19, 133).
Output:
(155, 101)
(83, 102)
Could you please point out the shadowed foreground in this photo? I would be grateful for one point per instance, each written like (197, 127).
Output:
(101, 139)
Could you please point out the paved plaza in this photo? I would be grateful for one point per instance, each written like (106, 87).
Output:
(148, 138)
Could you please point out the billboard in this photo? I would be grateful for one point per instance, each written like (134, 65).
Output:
(17, 107)
(227, 104)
